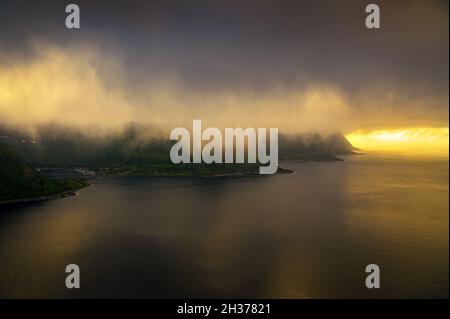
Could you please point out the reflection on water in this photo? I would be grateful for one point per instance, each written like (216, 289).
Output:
(302, 235)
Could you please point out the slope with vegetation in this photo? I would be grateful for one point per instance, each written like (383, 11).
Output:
(136, 151)
(19, 180)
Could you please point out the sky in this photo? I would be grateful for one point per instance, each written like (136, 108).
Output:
(300, 66)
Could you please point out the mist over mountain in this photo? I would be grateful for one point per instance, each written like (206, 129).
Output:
(139, 146)
(311, 145)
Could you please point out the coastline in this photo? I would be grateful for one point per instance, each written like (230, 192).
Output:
(68, 193)
(281, 170)
(73, 192)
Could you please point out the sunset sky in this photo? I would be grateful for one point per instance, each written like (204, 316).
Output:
(300, 66)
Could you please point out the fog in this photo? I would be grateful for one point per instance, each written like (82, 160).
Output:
(69, 87)
(298, 66)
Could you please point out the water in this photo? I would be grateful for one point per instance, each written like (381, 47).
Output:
(303, 235)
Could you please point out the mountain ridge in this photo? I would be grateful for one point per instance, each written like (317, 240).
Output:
(59, 147)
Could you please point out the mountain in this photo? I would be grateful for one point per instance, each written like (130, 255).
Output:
(313, 146)
(136, 151)
(136, 147)
(19, 180)
(55, 146)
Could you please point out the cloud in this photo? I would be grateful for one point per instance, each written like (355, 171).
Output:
(87, 89)
(59, 87)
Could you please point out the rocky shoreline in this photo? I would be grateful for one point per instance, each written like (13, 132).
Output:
(68, 193)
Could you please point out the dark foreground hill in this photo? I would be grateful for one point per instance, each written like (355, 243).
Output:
(19, 180)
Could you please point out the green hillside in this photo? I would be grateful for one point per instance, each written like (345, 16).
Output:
(135, 152)
(58, 147)
(19, 180)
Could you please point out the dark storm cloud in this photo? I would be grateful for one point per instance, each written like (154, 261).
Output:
(254, 45)
(255, 42)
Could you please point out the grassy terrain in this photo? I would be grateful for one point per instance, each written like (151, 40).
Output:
(57, 147)
(19, 180)
(135, 153)
(169, 169)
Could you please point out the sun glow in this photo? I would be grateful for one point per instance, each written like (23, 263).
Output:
(424, 141)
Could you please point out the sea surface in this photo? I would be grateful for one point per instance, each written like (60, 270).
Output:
(303, 235)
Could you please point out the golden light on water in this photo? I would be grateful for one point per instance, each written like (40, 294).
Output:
(417, 141)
